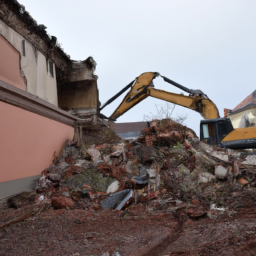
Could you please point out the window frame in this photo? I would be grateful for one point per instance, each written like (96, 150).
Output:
(51, 69)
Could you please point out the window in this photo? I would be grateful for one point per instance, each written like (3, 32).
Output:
(46, 65)
(51, 68)
(205, 131)
(23, 48)
(208, 130)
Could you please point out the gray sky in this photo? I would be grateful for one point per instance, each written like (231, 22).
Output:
(201, 44)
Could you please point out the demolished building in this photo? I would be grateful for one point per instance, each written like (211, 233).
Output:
(40, 87)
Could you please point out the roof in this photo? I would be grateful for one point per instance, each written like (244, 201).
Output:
(129, 127)
(247, 103)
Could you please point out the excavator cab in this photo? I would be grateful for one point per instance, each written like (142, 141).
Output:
(213, 131)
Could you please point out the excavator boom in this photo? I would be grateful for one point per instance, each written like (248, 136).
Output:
(204, 106)
(144, 87)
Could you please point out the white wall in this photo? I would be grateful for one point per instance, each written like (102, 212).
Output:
(238, 120)
(33, 66)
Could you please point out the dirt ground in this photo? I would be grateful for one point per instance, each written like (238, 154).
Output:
(141, 230)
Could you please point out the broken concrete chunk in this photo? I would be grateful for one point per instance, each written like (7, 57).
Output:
(204, 163)
(113, 187)
(54, 177)
(221, 172)
(213, 207)
(183, 170)
(151, 173)
(205, 177)
(117, 153)
(81, 162)
(63, 165)
(119, 149)
(94, 154)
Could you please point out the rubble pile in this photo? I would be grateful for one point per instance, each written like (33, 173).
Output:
(167, 168)
(138, 198)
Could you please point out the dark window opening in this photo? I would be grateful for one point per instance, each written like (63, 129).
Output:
(51, 68)
(46, 65)
(23, 48)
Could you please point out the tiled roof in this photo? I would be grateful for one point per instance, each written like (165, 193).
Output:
(248, 102)
(129, 127)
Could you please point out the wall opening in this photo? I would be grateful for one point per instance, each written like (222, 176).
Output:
(51, 68)
(23, 48)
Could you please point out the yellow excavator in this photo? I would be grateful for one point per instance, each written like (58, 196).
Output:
(213, 130)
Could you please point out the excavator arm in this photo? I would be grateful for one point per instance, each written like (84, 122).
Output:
(143, 86)
(204, 106)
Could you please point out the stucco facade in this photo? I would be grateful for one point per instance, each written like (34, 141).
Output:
(34, 66)
(241, 119)
(28, 145)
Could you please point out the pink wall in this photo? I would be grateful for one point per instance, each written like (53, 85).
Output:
(28, 142)
(10, 65)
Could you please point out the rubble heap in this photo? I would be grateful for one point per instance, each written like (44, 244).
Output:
(112, 197)
(166, 168)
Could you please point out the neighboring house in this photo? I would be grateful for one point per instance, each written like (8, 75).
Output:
(131, 130)
(37, 81)
(244, 114)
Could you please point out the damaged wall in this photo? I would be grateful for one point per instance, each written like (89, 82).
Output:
(33, 65)
(16, 17)
(246, 118)
(10, 65)
(37, 49)
(79, 93)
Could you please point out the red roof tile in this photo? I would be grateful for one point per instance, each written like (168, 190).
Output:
(249, 101)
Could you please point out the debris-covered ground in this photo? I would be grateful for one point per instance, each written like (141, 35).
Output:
(165, 194)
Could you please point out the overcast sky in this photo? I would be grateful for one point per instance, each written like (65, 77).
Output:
(201, 44)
